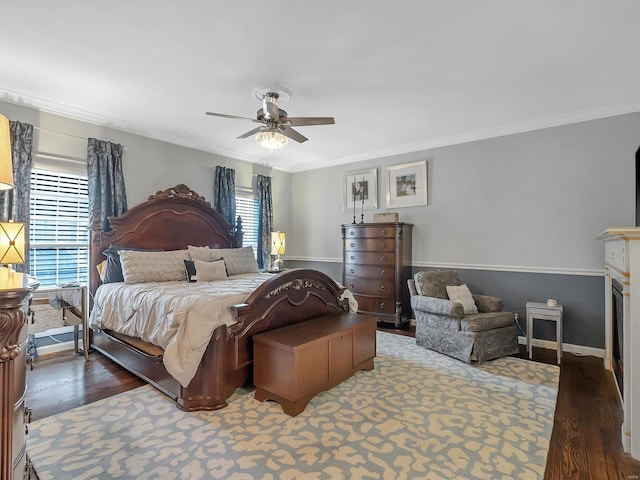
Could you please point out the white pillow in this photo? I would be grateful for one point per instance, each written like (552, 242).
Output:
(237, 260)
(200, 253)
(140, 267)
(209, 271)
(461, 294)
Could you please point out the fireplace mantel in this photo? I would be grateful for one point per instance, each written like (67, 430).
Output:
(622, 263)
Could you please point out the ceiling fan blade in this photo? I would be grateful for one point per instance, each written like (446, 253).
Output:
(293, 135)
(302, 121)
(232, 116)
(250, 132)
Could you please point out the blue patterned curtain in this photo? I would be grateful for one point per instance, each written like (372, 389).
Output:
(14, 203)
(224, 193)
(107, 195)
(265, 220)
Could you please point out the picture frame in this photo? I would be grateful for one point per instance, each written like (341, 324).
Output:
(360, 190)
(407, 185)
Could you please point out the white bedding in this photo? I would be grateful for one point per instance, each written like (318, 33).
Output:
(180, 317)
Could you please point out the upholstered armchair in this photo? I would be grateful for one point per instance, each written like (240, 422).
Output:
(484, 332)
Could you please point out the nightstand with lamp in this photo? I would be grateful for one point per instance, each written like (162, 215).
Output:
(15, 296)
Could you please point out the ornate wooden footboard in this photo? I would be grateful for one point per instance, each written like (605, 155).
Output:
(172, 220)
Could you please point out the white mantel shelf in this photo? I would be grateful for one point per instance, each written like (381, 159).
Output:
(622, 263)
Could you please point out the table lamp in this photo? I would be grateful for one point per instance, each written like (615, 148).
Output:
(11, 243)
(6, 164)
(277, 248)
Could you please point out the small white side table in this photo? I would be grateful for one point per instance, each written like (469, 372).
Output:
(544, 312)
(73, 297)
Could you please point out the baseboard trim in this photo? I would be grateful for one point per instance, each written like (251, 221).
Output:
(566, 347)
(55, 348)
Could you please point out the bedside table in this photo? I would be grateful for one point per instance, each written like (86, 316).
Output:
(543, 311)
(73, 298)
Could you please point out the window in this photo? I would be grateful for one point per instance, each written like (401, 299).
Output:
(59, 238)
(247, 208)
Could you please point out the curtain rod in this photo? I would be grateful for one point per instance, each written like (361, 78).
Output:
(69, 135)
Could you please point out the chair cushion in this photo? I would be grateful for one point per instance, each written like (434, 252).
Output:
(479, 322)
(461, 294)
(434, 283)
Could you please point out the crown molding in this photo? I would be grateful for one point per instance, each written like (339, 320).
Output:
(204, 145)
(511, 129)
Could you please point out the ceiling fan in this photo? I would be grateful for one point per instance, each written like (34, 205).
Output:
(276, 125)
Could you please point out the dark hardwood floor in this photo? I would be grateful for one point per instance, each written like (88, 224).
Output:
(585, 443)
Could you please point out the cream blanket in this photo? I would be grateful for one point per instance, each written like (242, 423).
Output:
(180, 317)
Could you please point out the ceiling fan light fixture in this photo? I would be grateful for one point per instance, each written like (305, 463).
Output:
(271, 140)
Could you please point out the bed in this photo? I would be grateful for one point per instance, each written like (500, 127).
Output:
(173, 220)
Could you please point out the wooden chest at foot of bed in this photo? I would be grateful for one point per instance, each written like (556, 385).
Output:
(293, 364)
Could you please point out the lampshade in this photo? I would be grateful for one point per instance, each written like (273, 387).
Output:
(277, 243)
(271, 139)
(6, 165)
(11, 243)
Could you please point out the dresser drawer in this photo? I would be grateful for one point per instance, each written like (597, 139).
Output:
(614, 252)
(370, 245)
(370, 258)
(369, 271)
(376, 304)
(370, 286)
(369, 232)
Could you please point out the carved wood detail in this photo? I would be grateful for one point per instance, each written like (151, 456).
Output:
(11, 321)
(180, 191)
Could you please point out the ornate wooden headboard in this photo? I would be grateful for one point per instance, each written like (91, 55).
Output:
(170, 220)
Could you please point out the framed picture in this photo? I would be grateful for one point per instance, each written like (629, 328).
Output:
(360, 190)
(407, 185)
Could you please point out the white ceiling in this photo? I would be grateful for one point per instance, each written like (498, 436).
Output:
(398, 76)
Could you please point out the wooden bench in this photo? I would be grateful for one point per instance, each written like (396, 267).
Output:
(294, 363)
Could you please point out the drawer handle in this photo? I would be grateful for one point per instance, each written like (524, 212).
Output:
(351, 285)
(352, 271)
(383, 259)
(352, 257)
(382, 305)
(352, 244)
(382, 288)
(384, 232)
(383, 245)
(383, 273)
(352, 232)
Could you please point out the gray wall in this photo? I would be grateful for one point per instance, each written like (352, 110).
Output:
(516, 215)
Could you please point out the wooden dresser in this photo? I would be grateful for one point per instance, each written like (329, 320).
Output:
(376, 264)
(15, 294)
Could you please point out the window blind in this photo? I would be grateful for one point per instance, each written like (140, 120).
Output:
(58, 236)
(247, 208)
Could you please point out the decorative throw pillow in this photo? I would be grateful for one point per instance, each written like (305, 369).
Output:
(210, 271)
(140, 267)
(461, 294)
(113, 270)
(102, 268)
(238, 260)
(200, 253)
(190, 267)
